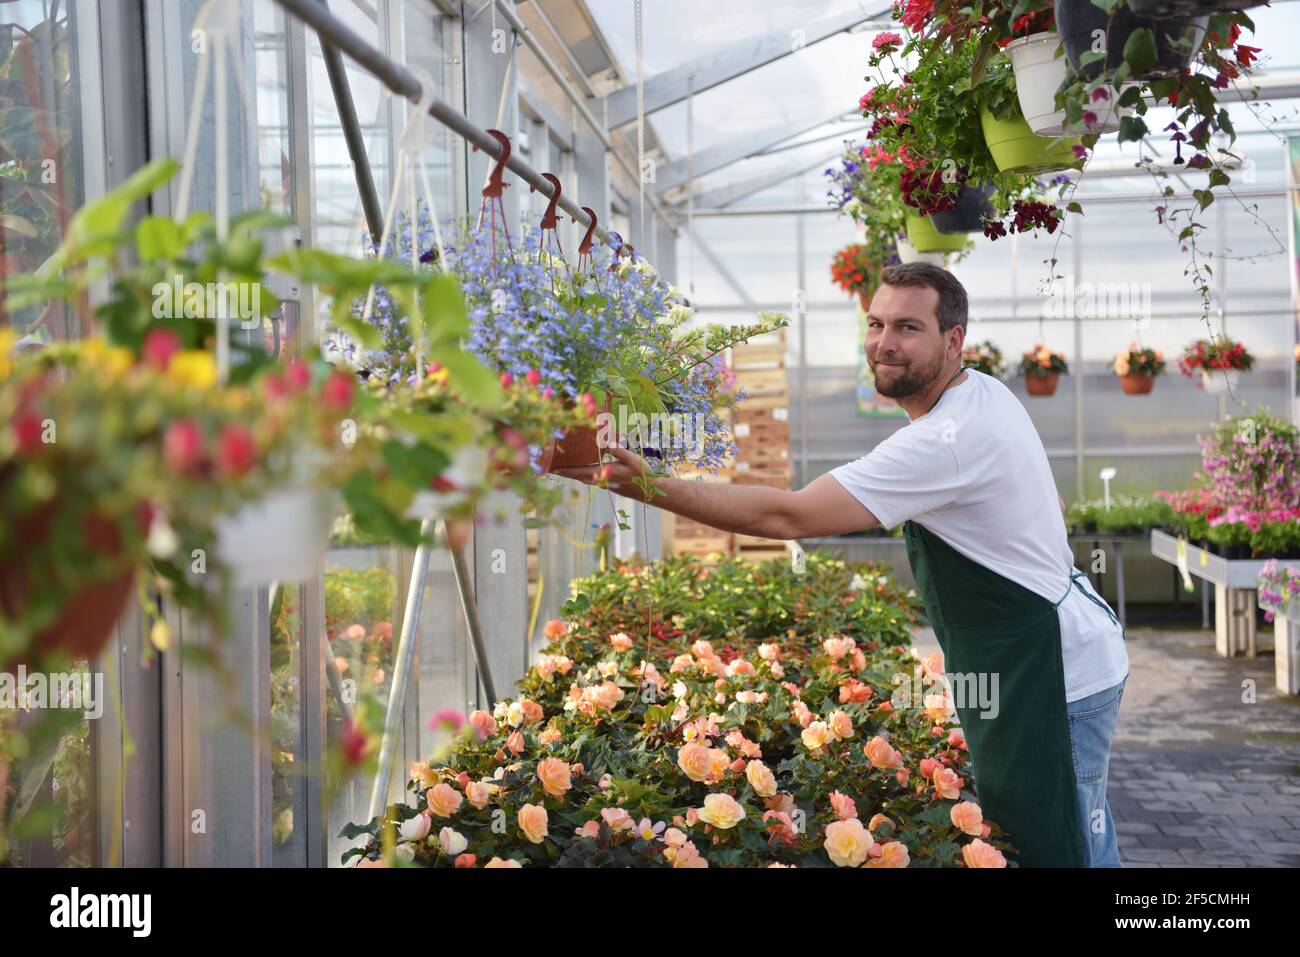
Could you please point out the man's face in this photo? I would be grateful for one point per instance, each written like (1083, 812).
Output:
(905, 349)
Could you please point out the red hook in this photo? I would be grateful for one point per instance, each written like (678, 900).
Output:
(584, 247)
(549, 218)
(496, 182)
(492, 193)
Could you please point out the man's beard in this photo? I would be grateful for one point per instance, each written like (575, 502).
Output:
(908, 380)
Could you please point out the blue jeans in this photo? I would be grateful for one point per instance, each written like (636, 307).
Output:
(1092, 722)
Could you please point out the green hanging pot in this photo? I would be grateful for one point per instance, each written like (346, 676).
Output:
(922, 234)
(1018, 149)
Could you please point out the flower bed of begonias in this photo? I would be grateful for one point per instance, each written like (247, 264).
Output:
(688, 715)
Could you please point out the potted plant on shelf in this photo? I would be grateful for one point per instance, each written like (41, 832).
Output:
(1042, 368)
(986, 357)
(1137, 368)
(855, 271)
(1219, 362)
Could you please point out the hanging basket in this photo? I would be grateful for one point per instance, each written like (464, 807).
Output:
(909, 254)
(1079, 22)
(926, 239)
(1217, 381)
(1186, 8)
(1042, 384)
(1137, 383)
(279, 538)
(864, 300)
(972, 208)
(1018, 149)
(577, 449)
(1039, 72)
(87, 618)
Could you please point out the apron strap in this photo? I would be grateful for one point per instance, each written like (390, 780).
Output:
(1075, 576)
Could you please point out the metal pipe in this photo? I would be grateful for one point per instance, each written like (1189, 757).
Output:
(401, 81)
(401, 670)
(347, 110)
(562, 81)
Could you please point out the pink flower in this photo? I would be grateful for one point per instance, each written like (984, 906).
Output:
(451, 718)
(886, 42)
(843, 806)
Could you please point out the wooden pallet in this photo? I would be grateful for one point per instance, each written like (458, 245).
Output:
(763, 382)
(746, 414)
(759, 356)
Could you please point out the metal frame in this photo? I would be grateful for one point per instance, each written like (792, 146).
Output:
(674, 85)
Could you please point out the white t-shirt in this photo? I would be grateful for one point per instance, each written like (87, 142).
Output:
(974, 472)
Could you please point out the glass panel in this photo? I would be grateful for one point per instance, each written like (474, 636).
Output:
(40, 151)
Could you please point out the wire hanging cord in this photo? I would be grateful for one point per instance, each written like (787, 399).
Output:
(494, 184)
(410, 161)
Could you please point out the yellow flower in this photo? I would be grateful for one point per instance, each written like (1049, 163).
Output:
(7, 339)
(1121, 364)
(193, 367)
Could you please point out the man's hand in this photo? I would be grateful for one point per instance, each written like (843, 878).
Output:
(621, 474)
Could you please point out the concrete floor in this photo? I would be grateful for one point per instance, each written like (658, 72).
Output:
(1200, 777)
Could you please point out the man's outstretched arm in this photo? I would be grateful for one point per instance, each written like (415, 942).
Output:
(825, 507)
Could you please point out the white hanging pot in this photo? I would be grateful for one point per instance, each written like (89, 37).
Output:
(908, 254)
(1217, 381)
(279, 538)
(1038, 74)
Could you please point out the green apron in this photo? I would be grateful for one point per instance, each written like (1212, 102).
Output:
(1022, 759)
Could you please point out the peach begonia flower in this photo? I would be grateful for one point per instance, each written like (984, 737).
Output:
(847, 842)
(947, 783)
(781, 830)
(555, 628)
(414, 828)
(478, 794)
(423, 775)
(843, 806)
(815, 735)
(760, 778)
(499, 862)
(840, 725)
(892, 854)
(590, 829)
(880, 820)
(533, 822)
(532, 711)
(452, 842)
(620, 641)
(967, 817)
(882, 754)
(484, 724)
(443, 799)
(554, 775)
(957, 739)
(695, 760)
(722, 810)
(932, 664)
(617, 819)
(466, 860)
(685, 856)
(674, 837)
(979, 854)
(515, 743)
(550, 736)
(928, 767)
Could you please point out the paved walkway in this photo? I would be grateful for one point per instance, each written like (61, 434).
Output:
(1199, 778)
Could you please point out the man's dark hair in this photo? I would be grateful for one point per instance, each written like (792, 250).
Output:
(953, 305)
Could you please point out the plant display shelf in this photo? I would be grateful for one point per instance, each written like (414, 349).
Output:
(1234, 590)
(1286, 649)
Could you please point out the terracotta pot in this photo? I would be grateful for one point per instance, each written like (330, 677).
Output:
(577, 449)
(1042, 385)
(864, 300)
(88, 617)
(1137, 383)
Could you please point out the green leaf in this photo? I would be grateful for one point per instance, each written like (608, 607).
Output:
(1140, 50)
(1131, 129)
